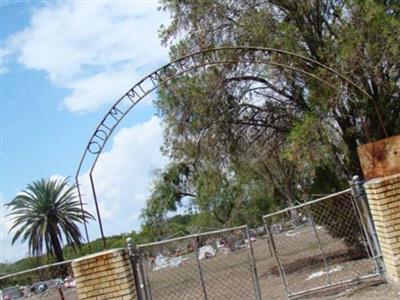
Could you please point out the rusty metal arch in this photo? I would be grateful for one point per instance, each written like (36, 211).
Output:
(117, 112)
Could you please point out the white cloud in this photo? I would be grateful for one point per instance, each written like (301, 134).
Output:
(8, 252)
(91, 92)
(97, 50)
(91, 47)
(122, 177)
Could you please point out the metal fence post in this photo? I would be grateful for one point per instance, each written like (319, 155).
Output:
(203, 285)
(366, 221)
(132, 251)
(145, 279)
(268, 241)
(278, 261)
(253, 263)
(61, 293)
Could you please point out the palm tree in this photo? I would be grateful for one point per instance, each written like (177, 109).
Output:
(43, 213)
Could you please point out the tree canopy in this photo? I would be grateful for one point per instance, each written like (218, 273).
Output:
(240, 127)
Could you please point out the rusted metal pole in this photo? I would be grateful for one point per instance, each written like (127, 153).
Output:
(254, 266)
(278, 261)
(201, 276)
(133, 259)
(60, 292)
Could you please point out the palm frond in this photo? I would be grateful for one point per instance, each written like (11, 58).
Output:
(45, 214)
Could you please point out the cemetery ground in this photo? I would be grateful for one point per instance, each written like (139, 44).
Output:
(229, 276)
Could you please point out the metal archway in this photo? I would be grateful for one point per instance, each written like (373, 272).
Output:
(252, 55)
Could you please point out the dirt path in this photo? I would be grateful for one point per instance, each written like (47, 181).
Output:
(361, 292)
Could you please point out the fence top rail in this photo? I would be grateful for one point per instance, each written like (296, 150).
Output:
(191, 236)
(36, 269)
(307, 203)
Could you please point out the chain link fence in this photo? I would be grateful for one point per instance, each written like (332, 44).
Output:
(321, 244)
(212, 265)
(318, 245)
(48, 282)
(270, 283)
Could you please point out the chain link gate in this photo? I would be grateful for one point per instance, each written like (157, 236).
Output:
(324, 243)
(213, 265)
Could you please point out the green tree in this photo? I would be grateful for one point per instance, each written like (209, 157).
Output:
(236, 124)
(171, 185)
(357, 38)
(46, 213)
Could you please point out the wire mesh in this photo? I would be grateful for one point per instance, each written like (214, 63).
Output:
(271, 287)
(320, 244)
(216, 265)
(54, 281)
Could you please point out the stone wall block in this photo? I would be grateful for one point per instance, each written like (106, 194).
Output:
(105, 275)
(384, 201)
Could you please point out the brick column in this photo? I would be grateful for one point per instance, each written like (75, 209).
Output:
(384, 201)
(105, 275)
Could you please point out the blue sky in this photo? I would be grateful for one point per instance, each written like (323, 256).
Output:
(63, 64)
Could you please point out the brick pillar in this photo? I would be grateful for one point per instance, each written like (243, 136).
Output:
(384, 201)
(105, 275)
